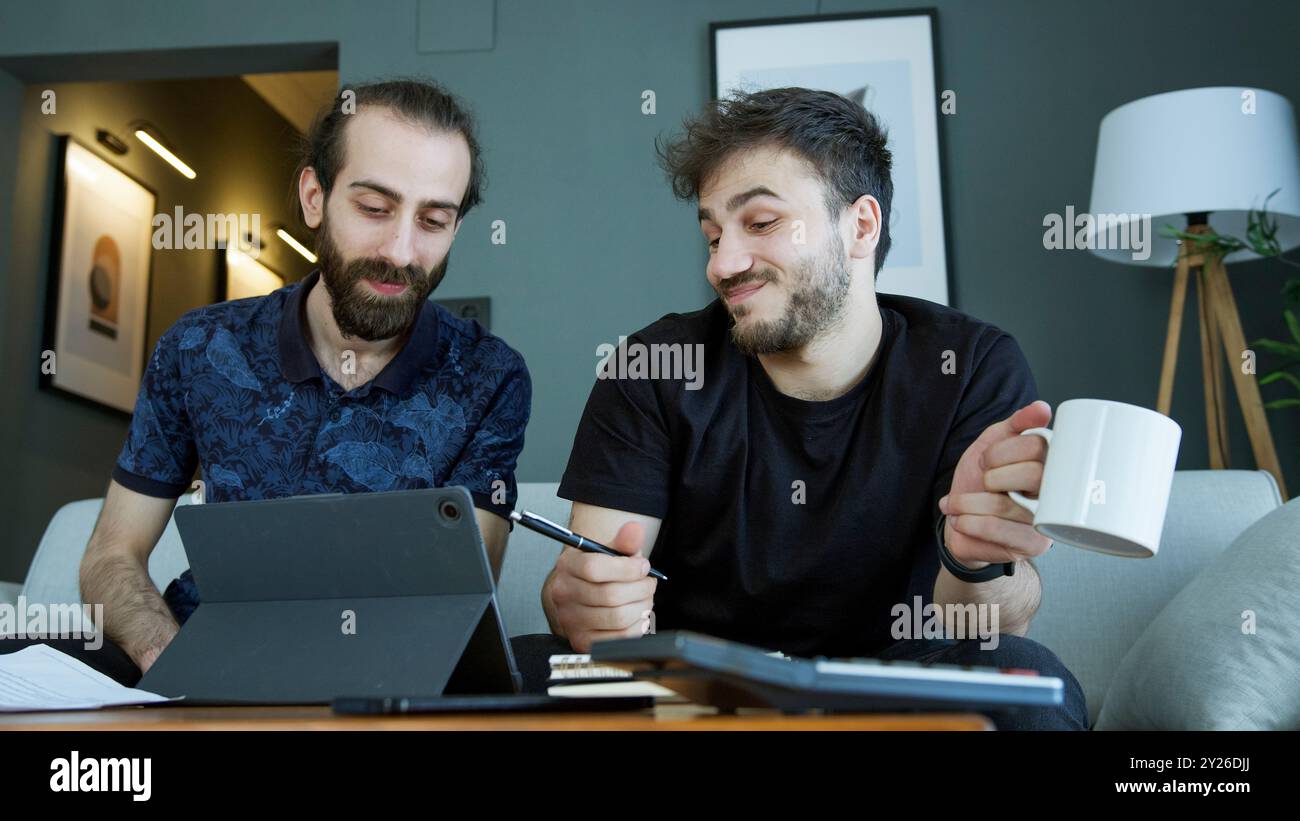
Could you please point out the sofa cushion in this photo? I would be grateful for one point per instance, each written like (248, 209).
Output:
(1095, 606)
(1225, 652)
(529, 559)
(53, 576)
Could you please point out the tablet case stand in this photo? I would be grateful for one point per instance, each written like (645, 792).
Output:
(311, 597)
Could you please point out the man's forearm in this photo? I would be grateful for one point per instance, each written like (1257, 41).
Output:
(135, 615)
(1017, 597)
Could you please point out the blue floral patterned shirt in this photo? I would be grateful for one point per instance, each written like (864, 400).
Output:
(234, 390)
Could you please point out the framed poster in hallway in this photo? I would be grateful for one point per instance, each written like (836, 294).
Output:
(97, 303)
(240, 275)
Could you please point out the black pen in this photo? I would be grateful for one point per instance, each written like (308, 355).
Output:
(548, 528)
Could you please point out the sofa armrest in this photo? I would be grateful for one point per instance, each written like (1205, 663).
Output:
(9, 592)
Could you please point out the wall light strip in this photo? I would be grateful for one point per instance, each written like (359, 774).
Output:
(295, 244)
(161, 150)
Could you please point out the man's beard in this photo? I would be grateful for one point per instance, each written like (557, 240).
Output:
(818, 289)
(358, 310)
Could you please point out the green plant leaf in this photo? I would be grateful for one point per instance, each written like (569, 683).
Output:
(1273, 346)
(1210, 243)
(1292, 323)
(1282, 403)
(1261, 231)
(1276, 376)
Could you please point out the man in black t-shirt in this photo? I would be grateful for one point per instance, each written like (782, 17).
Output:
(790, 454)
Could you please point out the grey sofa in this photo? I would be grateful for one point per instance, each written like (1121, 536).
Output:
(1094, 607)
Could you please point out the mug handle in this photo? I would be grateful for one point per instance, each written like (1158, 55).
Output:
(1019, 498)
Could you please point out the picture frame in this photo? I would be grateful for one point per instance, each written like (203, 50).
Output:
(241, 275)
(100, 272)
(887, 61)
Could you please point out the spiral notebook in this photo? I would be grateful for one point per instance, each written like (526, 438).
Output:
(575, 675)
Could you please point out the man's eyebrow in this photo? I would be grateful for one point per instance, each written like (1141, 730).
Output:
(740, 199)
(396, 197)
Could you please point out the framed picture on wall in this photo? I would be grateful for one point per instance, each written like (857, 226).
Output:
(239, 275)
(886, 62)
(97, 304)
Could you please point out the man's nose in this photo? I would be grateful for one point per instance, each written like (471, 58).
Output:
(398, 248)
(730, 258)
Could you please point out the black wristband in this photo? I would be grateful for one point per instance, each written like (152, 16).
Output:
(993, 571)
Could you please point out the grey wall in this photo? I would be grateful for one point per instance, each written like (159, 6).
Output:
(59, 448)
(11, 100)
(596, 245)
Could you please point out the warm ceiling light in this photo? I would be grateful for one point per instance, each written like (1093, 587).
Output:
(161, 150)
(295, 244)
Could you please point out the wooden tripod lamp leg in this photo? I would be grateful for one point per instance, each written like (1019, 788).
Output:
(1234, 343)
(1211, 374)
(1220, 395)
(1166, 395)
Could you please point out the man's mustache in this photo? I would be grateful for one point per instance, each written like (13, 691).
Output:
(384, 273)
(740, 281)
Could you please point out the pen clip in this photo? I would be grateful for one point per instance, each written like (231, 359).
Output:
(546, 521)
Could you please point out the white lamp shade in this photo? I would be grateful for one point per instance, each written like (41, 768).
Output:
(1216, 150)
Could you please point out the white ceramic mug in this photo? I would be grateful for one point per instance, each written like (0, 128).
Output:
(1106, 481)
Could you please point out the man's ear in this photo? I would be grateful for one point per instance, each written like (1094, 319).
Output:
(864, 223)
(312, 198)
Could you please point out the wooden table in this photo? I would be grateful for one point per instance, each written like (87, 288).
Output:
(662, 717)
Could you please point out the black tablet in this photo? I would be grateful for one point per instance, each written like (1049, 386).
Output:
(309, 597)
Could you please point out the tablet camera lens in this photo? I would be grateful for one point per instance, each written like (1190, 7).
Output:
(449, 511)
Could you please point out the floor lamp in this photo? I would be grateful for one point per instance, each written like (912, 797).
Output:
(1199, 160)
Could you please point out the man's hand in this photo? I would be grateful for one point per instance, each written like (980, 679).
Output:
(596, 597)
(984, 525)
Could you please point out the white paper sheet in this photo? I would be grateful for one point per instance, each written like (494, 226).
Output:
(42, 678)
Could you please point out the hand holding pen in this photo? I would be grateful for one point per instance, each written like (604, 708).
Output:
(562, 534)
(596, 591)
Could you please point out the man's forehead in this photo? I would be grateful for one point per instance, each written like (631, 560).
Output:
(781, 171)
(407, 156)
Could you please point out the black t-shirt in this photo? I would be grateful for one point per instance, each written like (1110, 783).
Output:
(788, 524)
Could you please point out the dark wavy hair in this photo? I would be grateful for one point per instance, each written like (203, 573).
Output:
(843, 141)
(419, 102)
